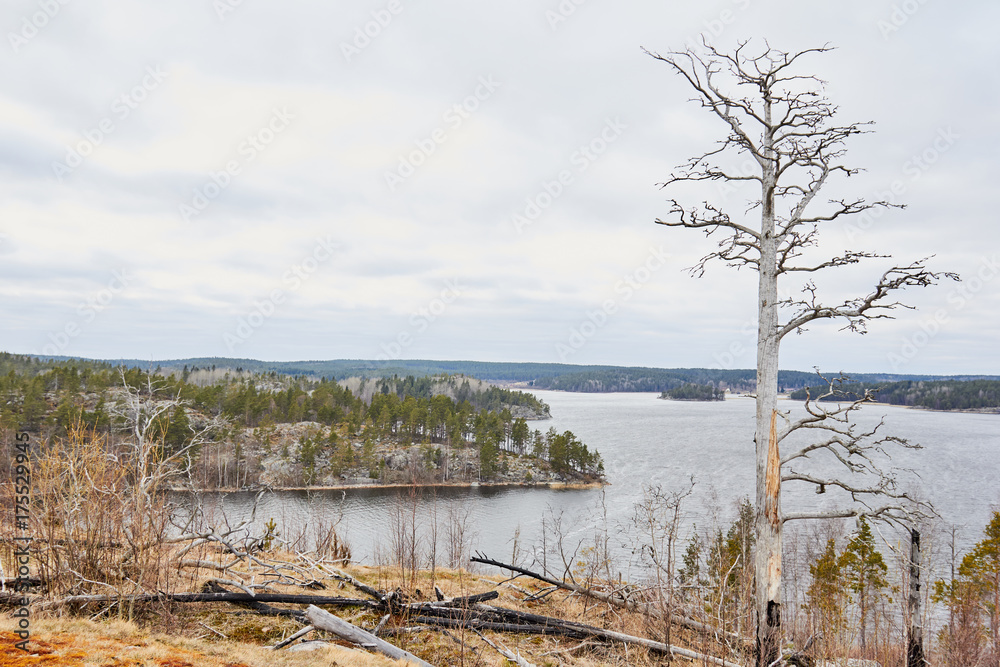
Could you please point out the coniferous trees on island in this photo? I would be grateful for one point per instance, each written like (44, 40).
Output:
(695, 392)
(325, 429)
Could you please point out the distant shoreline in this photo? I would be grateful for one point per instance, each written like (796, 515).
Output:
(971, 411)
(559, 486)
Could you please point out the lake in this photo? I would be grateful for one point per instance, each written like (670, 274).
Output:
(645, 441)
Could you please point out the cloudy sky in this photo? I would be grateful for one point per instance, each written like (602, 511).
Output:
(462, 180)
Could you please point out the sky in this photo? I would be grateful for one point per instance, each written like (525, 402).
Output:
(436, 179)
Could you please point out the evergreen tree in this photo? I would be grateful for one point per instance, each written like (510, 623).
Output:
(979, 577)
(982, 566)
(488, 459)
(690, 572)
(67, 415)
(865, 572)
(519, 435)
(99, 419)
(177, 431)
(827, 595)
(34, 407)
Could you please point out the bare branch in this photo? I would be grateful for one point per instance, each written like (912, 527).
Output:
(859, 311)
(892, 513)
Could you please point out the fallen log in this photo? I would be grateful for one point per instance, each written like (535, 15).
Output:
(622, 603)
(495, 626)
(285, 642)
(279, 598)
(534, 624)
(324, 620)
(268, 610)
(453, 603)
(470, 600)
(506, 652)
(340, 575)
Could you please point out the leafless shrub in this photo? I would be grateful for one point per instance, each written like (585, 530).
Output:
(95, 528)
(458, 535)
(327, 542)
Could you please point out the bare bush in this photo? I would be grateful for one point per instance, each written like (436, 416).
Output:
(95, 528)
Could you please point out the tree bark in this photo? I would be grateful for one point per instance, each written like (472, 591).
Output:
(915, 633)
(767, 557)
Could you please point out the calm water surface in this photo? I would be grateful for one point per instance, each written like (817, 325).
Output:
(648, 441)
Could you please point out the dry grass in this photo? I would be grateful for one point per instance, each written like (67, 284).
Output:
(85, 643)
(181, 635)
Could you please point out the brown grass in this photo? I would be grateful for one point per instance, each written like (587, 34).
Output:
(84, 643)
(178, 635)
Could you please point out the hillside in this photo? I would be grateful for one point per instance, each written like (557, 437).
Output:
(245, 429)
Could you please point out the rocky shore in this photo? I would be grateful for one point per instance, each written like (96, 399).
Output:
(278, 457)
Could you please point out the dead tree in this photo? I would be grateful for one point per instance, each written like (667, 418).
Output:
(915, 631)
(777, 120)
(141, 413)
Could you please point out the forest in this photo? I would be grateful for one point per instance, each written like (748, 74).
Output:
(554, 376)
(237, 428)
(932, 395)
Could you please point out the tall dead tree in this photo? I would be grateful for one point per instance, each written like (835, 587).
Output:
(779, 123)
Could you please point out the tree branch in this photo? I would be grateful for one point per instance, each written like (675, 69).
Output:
(859, 311)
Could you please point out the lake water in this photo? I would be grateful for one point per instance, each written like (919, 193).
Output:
(648, 441)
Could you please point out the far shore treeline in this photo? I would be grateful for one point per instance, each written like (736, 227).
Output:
(552, 376)
(936, 395)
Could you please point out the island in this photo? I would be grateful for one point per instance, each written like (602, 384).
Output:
(695, 392)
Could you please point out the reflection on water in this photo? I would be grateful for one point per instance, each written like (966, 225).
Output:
(643, 441)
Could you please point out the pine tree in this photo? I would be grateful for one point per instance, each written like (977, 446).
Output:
(178, 430)
(489, 463)
(690, 572)
(827, 595)
(864, 572)
(67, 414)
(981, 570)
(34, 407)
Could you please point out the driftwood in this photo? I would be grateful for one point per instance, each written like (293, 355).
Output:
(326, 621)
(617, 601)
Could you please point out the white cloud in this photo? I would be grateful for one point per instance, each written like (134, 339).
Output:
(324, 175)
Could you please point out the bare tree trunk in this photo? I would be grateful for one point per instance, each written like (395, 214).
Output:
(915, 634)
(767, 559)
(798, 150)
(327, 621)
